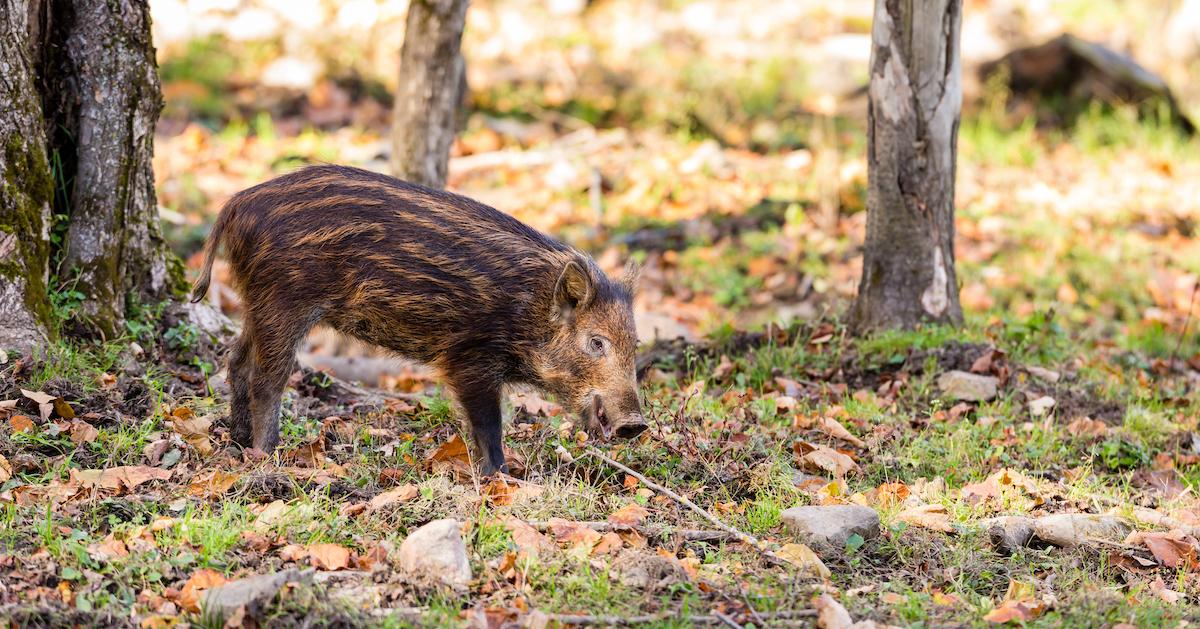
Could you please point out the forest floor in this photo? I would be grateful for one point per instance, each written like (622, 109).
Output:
(122, 501)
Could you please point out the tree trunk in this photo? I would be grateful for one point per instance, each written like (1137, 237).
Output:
(915, 99)
(432, 75)
(26, 187)
(83, 75)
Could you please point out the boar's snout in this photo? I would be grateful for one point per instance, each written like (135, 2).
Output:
(607, 421)
(632, 425)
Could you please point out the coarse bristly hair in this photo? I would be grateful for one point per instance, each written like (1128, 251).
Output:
(433, 276)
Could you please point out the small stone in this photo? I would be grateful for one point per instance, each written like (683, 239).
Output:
(436, 552)
(1041, 405)
(1010, 532)
(968, 387)
(1041, 373)
(252, 593)
(1072, 529)
(830, 526)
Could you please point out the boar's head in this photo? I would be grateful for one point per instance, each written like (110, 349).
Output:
(589, 361)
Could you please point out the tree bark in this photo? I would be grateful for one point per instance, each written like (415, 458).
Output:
(432, 75)
(84, 77)
(914, 103)
(26, 187)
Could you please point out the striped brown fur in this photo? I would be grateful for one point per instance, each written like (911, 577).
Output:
(432, 276)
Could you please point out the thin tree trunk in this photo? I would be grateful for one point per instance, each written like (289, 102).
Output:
(915, 99)
(432, 73)
(79, 143)
(26, 187)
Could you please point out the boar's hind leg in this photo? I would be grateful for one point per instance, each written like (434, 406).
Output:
(241, 371)
(482, 405)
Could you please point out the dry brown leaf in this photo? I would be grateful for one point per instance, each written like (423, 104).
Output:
(500, 492)
(196, 585)
(994, 485)
(108, 549)
(83, 432)
(527, 539)
(1015, 611)
(1161, 590)
(328, 556)
(609, 543)
(888, 494)
(1172, 549)
(5, 469)
(574, 535)
(404, 493)
(927, 516)
(804, 558)
(118, 478)
(451, 456)
(831, 614)
(814, 457)
(212, 484)
(835, 429)
(1087, 427)
(631, 514)
(194, 430)
(269, 515)
(44, 401)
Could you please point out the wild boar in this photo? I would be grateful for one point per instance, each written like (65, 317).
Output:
(432, 276)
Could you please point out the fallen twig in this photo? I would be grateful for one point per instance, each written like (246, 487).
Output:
(745, 538)
(698, 619)
(691, 535)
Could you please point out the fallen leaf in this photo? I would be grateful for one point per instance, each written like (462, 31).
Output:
(631, 514)
(804, 558)
(212, 484)
(609, 543)
(1015, 611)
(328, 556)
(5, 469)
(404, 493)
(269, 515)
(1171, 549)
(723, 369)
(44, 401)
(888, 494)
(194, 430)
(108, 549)
(20, 423)
(831, 614)
(527, 539)
(1161, 590)
(814, 457)
(1042, 405)
(83, 432)
(196, 585)
(500, 492)
(1087, 427)
(451, 456)
(835, 429)
(118, 478)
(574, 535)
(927, 516)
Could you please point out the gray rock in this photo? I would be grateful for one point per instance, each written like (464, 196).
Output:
(1009, 532)
(968, 387)
(830, 526)
(436, 552)
(252, 592)
(1072, 529)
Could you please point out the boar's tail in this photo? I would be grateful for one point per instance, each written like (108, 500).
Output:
(200, 289)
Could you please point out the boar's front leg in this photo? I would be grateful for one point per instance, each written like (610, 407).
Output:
(241, 373)
(482, 406)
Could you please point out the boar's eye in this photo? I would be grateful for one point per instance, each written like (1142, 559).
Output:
(597, 346)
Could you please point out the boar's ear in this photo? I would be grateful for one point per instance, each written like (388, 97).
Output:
(573, 289)
(630, 277)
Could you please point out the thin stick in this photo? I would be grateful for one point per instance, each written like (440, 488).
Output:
(745, 538)
(691, 535)
(705, 619)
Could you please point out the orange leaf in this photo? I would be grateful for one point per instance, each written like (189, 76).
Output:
(631, 514)
(212, 484)
(20, 423)
(328, 556)
(195, 586)
(404, 493)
